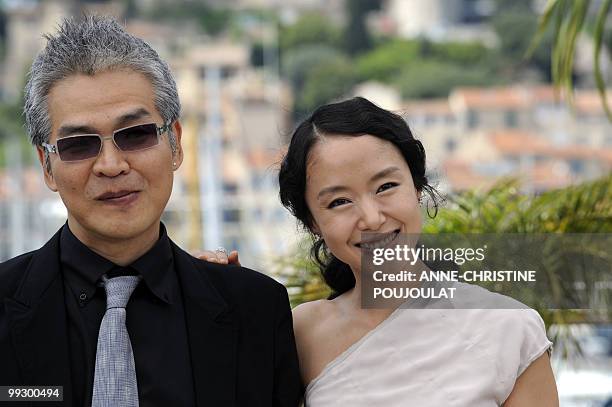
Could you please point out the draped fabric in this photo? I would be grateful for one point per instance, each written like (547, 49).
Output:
(435, 357)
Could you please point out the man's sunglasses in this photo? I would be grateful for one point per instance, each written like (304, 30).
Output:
(84, 146)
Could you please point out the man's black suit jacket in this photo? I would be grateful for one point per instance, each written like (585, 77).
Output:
(239, 328)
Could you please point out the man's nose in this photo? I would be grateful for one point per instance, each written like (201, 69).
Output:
(371, 216)
(111, 161)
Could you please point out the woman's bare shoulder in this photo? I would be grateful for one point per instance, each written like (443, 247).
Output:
(315, 325)
(316, 321)
(313, 312)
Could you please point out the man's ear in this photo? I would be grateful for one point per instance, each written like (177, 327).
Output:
(45, 163)
(177, 154)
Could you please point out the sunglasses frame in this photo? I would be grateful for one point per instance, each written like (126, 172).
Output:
(52, 148)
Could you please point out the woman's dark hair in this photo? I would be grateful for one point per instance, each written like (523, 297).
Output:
(353, 117)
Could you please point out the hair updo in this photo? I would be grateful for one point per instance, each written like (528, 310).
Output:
(354, 117)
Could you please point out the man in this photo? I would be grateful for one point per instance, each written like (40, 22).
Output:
(110, 308)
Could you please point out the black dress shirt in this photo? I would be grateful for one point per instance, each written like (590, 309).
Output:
(155, 321)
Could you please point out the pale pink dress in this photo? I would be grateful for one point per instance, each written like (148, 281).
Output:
(436, 357)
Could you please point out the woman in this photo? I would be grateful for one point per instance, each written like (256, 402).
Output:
(353, 168)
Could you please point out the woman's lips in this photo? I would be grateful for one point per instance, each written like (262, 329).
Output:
(382, 241)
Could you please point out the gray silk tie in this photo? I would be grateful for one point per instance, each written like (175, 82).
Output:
(115, 374)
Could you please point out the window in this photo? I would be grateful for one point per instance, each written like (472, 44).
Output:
(230, 187)
(577, 166)
(450, 145)
(511, 118)
(472, 119)
(231, 215)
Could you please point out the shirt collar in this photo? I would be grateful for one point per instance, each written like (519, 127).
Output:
(157, 268)
(86, 267)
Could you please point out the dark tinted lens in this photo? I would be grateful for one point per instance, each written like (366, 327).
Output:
(78, 147)
(137, 137)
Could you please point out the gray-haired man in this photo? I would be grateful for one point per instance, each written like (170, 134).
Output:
(110, 308)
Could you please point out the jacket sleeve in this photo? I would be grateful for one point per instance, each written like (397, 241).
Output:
(288, 387)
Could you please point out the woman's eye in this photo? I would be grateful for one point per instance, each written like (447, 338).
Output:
(386, 186)
(337, 202)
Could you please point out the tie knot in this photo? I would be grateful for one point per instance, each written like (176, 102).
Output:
(119, 290)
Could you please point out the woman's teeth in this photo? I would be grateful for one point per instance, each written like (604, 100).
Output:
(380, 243)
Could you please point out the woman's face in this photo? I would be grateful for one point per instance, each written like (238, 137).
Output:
(359, 184)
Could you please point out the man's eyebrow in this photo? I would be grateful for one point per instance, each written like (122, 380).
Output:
(339, 188)
(122, 121)
(130, 117)
(70, 130)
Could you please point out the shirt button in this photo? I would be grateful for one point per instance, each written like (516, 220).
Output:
(83, 297)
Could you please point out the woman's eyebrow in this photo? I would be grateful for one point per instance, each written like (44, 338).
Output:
(331, 190)
(382, 174)
(339, 188)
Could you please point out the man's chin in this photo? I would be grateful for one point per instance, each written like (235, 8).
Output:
(114, 229)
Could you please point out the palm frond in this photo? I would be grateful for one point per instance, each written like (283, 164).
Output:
(598, 38)
(570, 17)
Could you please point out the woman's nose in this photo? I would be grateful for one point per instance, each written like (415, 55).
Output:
(371, 216)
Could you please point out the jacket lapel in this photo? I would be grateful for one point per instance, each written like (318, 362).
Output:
(37, 318)
(212, 334)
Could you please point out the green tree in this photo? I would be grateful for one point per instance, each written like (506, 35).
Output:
(462, 53)
(431, 78)
(384, 62)
(503, 208)
(211, 20)
(515, 30)
(131, 9)
(297, 63)
(515, 6)
(328, 80)
(310, 29)
(301, 276)
(12, 129)
(390, 61)
(357, 39)
(568, 18)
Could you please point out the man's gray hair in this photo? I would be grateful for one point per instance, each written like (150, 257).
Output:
(87, 46)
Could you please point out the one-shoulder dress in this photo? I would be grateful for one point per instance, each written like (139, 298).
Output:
(457, 356)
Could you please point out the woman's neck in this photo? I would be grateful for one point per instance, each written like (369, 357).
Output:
(354, 301)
